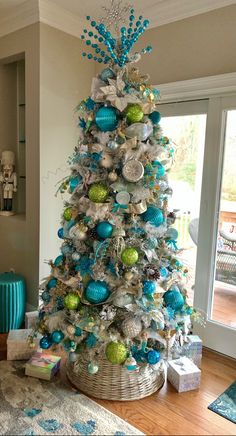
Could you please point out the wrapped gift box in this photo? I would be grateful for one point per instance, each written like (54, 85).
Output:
(193, 349)
(183, 374)
(30, 319)
(17, 345)
(42, 365)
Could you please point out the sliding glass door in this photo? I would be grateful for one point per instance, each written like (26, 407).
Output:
(204, 200)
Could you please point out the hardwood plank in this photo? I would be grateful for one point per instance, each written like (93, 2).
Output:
(170, 413)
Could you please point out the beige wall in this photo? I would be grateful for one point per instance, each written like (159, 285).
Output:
(19, 236)
(65, 79)
(8, 109)
(199, 46)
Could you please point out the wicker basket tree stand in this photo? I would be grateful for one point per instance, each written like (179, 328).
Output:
(114, 382)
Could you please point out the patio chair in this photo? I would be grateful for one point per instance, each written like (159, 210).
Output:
(225, 259)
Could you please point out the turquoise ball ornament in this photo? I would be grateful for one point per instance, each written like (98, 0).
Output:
(153, 357)
(59, 260)
(155, 117)
(98, 193)
(134, 113)
(129, 256)
(104, 229)
(159, 169)
(106, 74)
(52, 283)
(60, 233)
(57, 336)
(153, 215)
(45, 342)
(149, 287)
(96, 291)
(106, 119)
(173, 299)
(172, 233)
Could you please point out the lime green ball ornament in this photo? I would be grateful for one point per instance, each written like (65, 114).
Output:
(98, 193)
(116, 353)
(71, 301)
(134, 113)
(67, 214)
(129, 256)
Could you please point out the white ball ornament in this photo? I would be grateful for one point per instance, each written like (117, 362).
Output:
(131, 327)
(93, 368)
(75, 256)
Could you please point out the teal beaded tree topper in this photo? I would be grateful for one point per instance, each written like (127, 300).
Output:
(117, 51)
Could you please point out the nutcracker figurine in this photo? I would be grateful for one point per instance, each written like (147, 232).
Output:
(8, 180)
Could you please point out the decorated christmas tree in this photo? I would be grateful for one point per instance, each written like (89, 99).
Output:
(117, 289)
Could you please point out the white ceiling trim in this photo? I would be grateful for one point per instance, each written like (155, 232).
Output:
(21, 16)
(32, 11)
(204, 87)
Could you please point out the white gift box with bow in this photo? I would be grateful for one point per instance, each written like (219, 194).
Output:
(183, 374)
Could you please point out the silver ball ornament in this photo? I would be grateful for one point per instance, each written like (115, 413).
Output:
(131, 327)
(93, 368)
(113, 145)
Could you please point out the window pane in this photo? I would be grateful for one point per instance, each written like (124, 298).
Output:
(188, 134)
(224, 301)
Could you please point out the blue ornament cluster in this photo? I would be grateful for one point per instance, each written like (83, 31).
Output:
(117, 50)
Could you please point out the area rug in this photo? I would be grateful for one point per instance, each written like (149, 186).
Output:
(225, 404)
(29, 406)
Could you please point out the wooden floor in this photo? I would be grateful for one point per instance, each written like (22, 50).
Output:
(170, 413)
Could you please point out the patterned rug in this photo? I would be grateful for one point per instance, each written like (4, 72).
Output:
(225, 404)
(29, 406)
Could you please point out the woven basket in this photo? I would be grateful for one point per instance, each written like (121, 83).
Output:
(114, 382)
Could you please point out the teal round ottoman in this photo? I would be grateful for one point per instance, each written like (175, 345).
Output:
(12, 301)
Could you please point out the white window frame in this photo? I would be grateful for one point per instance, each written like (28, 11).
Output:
(220, 91)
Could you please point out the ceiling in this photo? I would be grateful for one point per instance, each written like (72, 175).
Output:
(69, 15)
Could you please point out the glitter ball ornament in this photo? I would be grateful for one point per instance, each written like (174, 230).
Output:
(151, 243)
(67, 214)
(45, 342)
(131, 327)
(106, 74)
(129, 256)
(130, 364)
(71, 301)
(57, 336)
(98, 193)
(96, 291)
(133, 113)
(155, 117)
(93, 368)
(52, 283)
(149, 287)
(104, 229)
(46, 297)
(153, 215)
(173, 299)
(153, 357)
(106, 119)
(133, 170)
(116, 353)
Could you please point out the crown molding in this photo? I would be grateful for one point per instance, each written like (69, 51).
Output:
(200, 88)
(21, 16)
(48, 12)
(60, 18)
